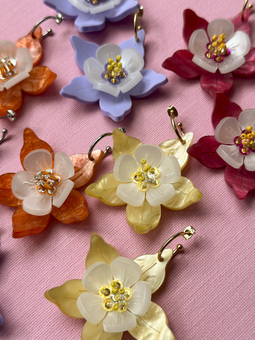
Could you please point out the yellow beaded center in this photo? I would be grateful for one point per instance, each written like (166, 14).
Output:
(115, 296)
(8, 68)
(217, 48)
(47, 181)
(146, 176)
(246, 141)
(114, 70)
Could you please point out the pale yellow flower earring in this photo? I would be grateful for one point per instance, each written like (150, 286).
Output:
(146, 176)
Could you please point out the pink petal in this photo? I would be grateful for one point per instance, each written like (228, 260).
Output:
(192, 22)
(247, 69)
(240, 180)
(216, 83)
(240, 23)
(224, 108)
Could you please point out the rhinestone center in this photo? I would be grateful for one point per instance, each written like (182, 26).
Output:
(8, 68)
(246, 141)
(95, 2)
(47, 181)
(146, 176)
(217, 49)
(115, 296)
(114, 71)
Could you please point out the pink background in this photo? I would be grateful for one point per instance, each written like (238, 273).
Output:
(209, 288)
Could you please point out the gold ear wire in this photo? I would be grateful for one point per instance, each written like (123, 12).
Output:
(173, 113)
(244, 7)
(138, 15)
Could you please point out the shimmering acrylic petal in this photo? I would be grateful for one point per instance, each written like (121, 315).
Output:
(231, 155)
(80, 5)
(249, 162)
(170, 171)
(247, 70)
(90, 307)
(159, 195)
(93, 70)
(130, 82)
(152, 153)
(207, 64)
(7, 48)
(126, 270)
(23, 185)
(37, 204)
(38, 160)
(239, 44)
(124, 167)
(230, 64)
(247, 118)
(197, 42)
(62, 165)
(227, 129)
(24, 60)
(132, 60)
(223, 108)
(130, 194)
(62, 193)
(107, 51)
(119, 322)
(219, 26)
(92, 332)
(141, 298)
(240, 180)
(216, 83)
(96, 276)
(192, 22)
(105, 87)
(6, 195)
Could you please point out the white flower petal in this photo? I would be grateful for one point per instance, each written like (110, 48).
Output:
(96, 276)
(239, 44)
(219, 26)
(152, 153)
(102, 7)
(38, 160)
(231, 155)
(124, 167)
(125, 270)
(91, 307)
(170, 171)
(227, 129)
(159, 195)
(230, 64)
(130, 82)
(23, 185)
(63, 191)
(116, 322)
(63, 165)
(93, 70)
(249, 161)
(130, 194)
(81, 5)
(37, 204)
(197, 42)
(247, 118)
(107, 51)
(89, 8)
(141, 298)
(132, 61)
(207, 64)
(7, 49)
(106, 87)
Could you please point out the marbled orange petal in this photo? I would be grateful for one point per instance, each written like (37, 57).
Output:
(10, 99)
(25, 224)
(40, 79)
(6, 196)
(85, 168)
(74, 209)
(33, 44)
(32, 142)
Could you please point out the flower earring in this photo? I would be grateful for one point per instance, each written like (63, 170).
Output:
(217, 51)
(146, 176)
(113, 74)
(114, 294)
(19, 71)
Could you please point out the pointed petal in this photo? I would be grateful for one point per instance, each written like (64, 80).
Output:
(115, 107)
(32, 42)
(227, 129)
(170, 171)
(63, 166)
(141, 298)
(6, 195)
(123, 144)
(62, 193)
(249, 162)
(10, 100)
(241, 21)
(92, 332)
(132, 43)
(205, 63)
(125, 270)
(192, 22)
(91, 308)
(130, 194)
(159, 195)
(224, 108)
(97, 275)
(240, 180)
(247, 69)
(85, 22)
(152, 153)
(38, 160)
(23, 185)
(216, 83)
(40, 78)
(37, 204)
(107, 51)
(132, 60)
(231, 155)
(239, 44)
(124, 167)
(119, 322)
(219, 26)
(247, 118)
(83, 50)
(197, 42)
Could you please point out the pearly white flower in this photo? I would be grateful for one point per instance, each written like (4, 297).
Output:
(101, 6)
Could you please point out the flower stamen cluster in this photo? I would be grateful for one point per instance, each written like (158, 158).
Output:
(95, 2)
(115, 296)
(246, 141)
(114, 70)
(7, 68)
(217, 49)
(146, 176)
(47, 181)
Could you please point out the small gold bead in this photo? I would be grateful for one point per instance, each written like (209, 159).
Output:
(243, 135)
(249, 129)
(121, 290)
(143, 161)
(118, 58)
(115, 306)
(222, 36)
(214, 38)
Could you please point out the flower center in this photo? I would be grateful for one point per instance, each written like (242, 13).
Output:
(246, 141)
(47, 181)
(114, 71)
(146, 176)
(115, 296)
(8, 68)
(95, 2)
(217, 49)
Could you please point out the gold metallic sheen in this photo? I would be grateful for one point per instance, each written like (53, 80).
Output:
(96, 332)
(123, 144)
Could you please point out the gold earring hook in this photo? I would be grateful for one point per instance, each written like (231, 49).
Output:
(58, 19)
(108, 149)
(138, 15)
(173, 113)
(187, 234)
(244, 7)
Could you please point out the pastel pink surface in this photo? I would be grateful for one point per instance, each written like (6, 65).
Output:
(209, 289)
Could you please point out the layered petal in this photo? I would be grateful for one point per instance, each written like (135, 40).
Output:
(23, 185)
(119, 322)
(107, 51)
(249, 161)
(159, 195)
(231, 155)
(130, 194)
(63, 165)
(63, 191)
(126, 270)
(115, 107)
(239, 44)
(227, 129)
(219, 26)
(124, 167)
(197, 42)
(230, 64)
(37, 204)
(152, 153)
(90, 307)
(141, 298)
(38, 160)
(170, 171)
(247, 118)
(96, 276)
(132, 60)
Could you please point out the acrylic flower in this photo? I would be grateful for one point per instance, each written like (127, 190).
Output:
(216, 51)
(90, 15)
(232, 147)
(42, 190)
(112, 75)
(144, 177)
(19, 73)
(114, 294)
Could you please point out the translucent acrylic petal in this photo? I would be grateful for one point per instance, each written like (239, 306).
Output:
(116, 322)
(130, 82)
(124, 167)
(38, 160)
(197, 42)
(219, 26)
(231, 155)
(247, 118)
(106, 87)
(205, 63)
(93, 70)
(227, 129)
(249, 162)
(107, 51)
(81, 5)
(126, 270)
(239, 44)
(7, 49)
(170, 171)
(141, 298)
(23, 185)
(37, 204)
(130, 194)
(91, 308)
(152, 153)
(96, 276)
(159, 195)
(63, 191)
(132, 60)
(63, 165)
(230, 64)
